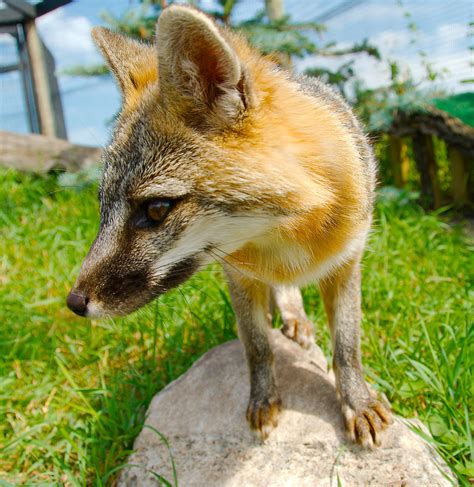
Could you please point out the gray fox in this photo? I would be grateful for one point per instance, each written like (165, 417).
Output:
(219, 155)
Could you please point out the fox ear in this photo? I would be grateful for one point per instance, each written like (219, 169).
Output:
(198, 67)
(132, 63)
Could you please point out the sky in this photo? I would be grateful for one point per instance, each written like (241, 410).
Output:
(90, 103)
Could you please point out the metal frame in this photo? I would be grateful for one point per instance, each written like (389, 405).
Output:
(12, 21)
(19, 11)
(28, 84)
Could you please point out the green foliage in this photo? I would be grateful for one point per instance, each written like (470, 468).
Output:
(364, 46)
(279, 36)
(73, 393)
(412, 183)
(138, 22)
(338, 78)
(379, 106)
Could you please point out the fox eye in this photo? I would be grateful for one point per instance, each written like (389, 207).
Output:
(152, 213)
(157, 210)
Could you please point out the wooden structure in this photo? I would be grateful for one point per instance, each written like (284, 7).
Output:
(459, 139)
(36, 65)
(40, 153)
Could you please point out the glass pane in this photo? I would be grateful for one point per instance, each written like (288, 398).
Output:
(13, 115)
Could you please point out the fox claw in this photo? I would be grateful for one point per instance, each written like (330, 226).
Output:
(300, 331)
(262, 415)
(365, 423)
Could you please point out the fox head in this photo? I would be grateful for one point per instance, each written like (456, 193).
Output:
(180, 186)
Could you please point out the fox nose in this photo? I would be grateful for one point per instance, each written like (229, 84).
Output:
(77, 302)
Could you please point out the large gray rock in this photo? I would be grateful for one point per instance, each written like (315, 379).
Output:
(203, 416)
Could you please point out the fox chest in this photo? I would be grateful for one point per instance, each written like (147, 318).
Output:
(280, 261)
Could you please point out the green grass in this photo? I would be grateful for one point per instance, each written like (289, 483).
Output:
(73, 393)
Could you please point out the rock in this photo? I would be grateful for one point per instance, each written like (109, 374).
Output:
(202, 414)
(39, 153)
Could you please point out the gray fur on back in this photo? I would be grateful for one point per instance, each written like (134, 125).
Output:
(327, 95)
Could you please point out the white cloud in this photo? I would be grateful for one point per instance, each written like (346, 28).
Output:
(442, 35)
(390, 40)
(452, 33)
(368, 69)
(68, 38)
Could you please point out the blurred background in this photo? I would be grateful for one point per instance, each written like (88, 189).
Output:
(405, 65)
(427, 42)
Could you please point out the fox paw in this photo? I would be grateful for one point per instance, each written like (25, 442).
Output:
(262, 414)
(365, 423)
(300, 330)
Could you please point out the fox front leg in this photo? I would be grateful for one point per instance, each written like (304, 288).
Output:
(364, 415)
(250, 299)
(296, 324)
